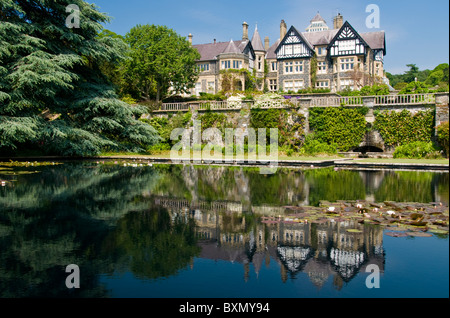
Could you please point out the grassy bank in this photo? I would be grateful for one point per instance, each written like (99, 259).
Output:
(413, 161)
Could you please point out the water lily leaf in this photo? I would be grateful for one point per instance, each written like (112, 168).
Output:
(421, 234)
(437, 231)
(396, 234)
(392, 228)
(354, 231)
(416, 216)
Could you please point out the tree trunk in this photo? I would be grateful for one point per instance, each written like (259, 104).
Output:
(158, 91)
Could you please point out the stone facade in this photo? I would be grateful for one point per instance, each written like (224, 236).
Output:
(335, 71)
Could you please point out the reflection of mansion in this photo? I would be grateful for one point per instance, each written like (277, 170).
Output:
(320, 250)
(320, 57)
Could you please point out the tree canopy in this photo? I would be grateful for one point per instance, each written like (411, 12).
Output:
(439, 76)
(160, 60)
(53, 95)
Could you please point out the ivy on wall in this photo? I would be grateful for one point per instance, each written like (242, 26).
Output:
(342, 126)
(400, 128)
(289, 135)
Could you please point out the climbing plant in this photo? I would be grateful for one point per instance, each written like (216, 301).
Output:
(290, 132)
(344, 127)
(400, 128)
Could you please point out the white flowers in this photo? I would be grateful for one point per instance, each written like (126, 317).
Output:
(331, 209)
(390, 212)
(359, 206)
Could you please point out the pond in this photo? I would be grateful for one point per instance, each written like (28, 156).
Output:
(181, 231)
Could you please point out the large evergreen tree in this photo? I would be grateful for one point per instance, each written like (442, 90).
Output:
(53, 95)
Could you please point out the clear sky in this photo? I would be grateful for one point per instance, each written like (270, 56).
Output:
(417, 32)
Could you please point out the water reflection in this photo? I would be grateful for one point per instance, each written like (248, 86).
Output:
(155, 221)
(320, 249)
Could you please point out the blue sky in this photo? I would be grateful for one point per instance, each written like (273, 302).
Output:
(417, 32)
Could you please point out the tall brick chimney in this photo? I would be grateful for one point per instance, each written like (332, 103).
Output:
(338, 21)
(190, 38)
(244, 31)
(266, 43)
(283, 29)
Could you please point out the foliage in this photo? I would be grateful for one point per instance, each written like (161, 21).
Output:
(217, 97)
(374, 90)
(437, 76)
(399, 128)
(53, 96)
(313, 70)
(313, 146)
(344, 127)
(164, 126)
(309, 90)
(160, 59)
(415, 150)
(211, 119)
(368, 90)
(290, 135)
(443, 136)
(415, 88)
(128, 99)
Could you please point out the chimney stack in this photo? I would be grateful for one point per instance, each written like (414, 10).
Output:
(214, 41)
(190, 38)
(338, 21)
(244, 31)
(266, 43)
(283, 29)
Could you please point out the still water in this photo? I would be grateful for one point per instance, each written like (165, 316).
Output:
(171, 231)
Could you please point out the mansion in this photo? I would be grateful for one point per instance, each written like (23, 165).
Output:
(320, 57)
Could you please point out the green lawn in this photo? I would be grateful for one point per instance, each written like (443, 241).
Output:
(282, 156)
(166, 154)
(390, 160)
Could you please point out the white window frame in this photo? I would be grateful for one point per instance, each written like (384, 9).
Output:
(321, 67)
(293, 67)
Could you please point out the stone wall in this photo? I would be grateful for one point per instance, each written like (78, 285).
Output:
(240, 117)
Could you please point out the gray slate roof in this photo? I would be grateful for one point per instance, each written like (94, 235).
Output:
(271, 52)
(256, 41)
(317, 17)
(231, 48)
(210, 51)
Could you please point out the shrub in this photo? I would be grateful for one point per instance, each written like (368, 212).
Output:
(342, 126)
(399, 128)
(443, 136)
(158, 148)
(416, 150)
(312, 146)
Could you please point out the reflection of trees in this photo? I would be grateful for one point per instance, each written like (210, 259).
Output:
(54, 218)
(442, 188)
(283, 187)
(408, 186)
(150, 244)
(330, 185)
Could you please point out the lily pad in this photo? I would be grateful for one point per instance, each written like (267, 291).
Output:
(396, 234)
(418, 233)
(437, 231)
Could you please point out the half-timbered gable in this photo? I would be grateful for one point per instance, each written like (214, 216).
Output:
(347, 42)
(341, 58)
(294, 46)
